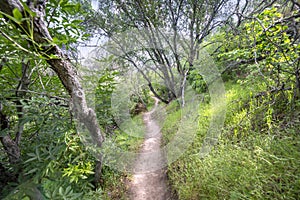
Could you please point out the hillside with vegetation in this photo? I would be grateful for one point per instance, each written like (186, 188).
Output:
(101, 99)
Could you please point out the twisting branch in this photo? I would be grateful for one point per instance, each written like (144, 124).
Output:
(59, 62)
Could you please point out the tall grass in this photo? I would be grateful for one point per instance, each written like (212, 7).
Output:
(257, 156)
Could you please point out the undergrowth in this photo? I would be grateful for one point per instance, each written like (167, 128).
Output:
(257, 155)
(114, 181)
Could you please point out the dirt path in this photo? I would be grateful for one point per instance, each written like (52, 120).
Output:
(150, 184)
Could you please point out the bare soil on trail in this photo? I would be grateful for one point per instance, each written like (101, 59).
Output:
(150, 184)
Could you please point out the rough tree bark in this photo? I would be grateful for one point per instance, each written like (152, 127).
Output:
(10, 146)
(60, 64)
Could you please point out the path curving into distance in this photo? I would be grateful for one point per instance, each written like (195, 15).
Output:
(150, 185)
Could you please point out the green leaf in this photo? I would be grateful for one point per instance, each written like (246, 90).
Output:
(55, 40)
(30, 159)
(10, 17)
(17, 14)
(68, 189)
(3, 132)
(27, 9)
(31, 154)
(61, 191)
(32, 171)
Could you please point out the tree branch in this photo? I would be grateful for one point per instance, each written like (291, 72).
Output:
(58, 62)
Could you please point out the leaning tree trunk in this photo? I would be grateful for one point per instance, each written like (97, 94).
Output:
(10, 146)
(59, 62)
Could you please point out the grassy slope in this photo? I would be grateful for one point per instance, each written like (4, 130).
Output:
(257, 156)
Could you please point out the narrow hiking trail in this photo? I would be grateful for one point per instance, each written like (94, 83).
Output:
(150, 184)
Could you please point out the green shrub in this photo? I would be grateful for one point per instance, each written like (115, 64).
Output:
(257, 156)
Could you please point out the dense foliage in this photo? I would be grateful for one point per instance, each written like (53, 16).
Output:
(254, 45)
(257, 156)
